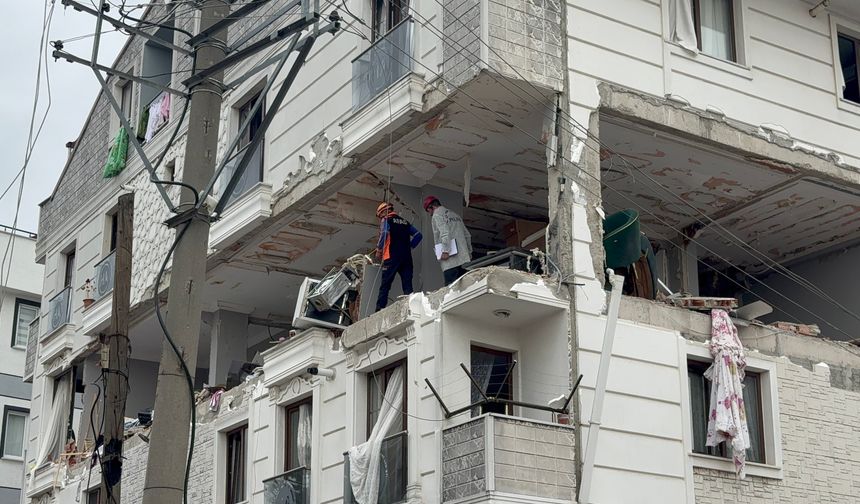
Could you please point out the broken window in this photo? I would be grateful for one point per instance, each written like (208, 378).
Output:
(700, 396)
(253, 173)
(377, 383)
(849, 52)
(492, 370)
(236, 454)
(715, 28)
(387, 14)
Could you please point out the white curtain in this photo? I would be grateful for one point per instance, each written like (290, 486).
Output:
(482, 370)
(682, 25)
(364, 458)
(716, 18)
(57, 422)
(303, 436)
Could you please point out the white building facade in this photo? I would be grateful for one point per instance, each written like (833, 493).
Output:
(724, 124)
(19, 308)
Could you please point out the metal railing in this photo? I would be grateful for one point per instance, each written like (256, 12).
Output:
(382, 64)
(291, 487)
(103, 276)
(392, 471)
(58, 309)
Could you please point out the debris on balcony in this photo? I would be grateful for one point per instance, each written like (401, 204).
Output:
(702, 303)
(801, 329)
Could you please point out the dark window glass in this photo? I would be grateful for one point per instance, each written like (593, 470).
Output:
(70, 269)
(387, 14)
(700, 397)
(377, 384)
(292, 458)
(25, 312)
(236, 464)
(848, 59)
(715, 28)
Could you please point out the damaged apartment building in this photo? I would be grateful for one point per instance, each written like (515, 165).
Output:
(704, 150)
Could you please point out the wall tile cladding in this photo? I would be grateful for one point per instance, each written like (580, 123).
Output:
(820, 427)
(525, 40)
(534, 459)
(463, 459)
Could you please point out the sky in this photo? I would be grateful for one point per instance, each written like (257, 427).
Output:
(73, 90)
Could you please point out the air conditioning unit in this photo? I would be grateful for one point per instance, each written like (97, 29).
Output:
(325, 294)
(307, 315)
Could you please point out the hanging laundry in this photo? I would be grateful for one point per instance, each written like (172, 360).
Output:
(117, 156)
(727, 419)
(159, 115)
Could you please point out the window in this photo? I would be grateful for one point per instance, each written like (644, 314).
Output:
(715, 28)
(14, 425)
(849, 52)
(700, 396)
(93, 496)
(25, 312)
(491, 369)
(125, 97)
(377, 383)
(236, 447)
(387, 14)
(297, 452)
(112, 231)
(69, 271)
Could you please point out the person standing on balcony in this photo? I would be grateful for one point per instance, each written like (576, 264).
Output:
(452, 241)
(397, 238)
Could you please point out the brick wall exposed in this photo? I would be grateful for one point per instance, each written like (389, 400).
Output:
(820, 442)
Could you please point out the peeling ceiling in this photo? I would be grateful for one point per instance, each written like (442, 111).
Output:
(770, 206)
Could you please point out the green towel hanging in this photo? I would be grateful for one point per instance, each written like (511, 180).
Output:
(118, 151)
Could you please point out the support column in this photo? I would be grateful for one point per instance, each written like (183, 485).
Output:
(229, 344)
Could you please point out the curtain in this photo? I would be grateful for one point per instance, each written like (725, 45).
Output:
(681, 24)
(364, 458)
(303, 436)
(482, 370)
(716, 19)
(57, 422)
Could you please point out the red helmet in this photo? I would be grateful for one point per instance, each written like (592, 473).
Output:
(429, 200)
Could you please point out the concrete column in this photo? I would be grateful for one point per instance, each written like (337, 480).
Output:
(229, 344)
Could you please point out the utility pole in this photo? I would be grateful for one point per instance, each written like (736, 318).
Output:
(169, 438)
(115, 367)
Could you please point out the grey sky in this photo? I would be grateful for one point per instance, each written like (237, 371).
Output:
(73, 89)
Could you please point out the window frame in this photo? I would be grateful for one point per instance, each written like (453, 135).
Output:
(772, 468)
(16, 313)
(386, 371)
(700, 366)
(851, 30)
(7, 409)
(287, 444)
(229, 496)
(509, 408)
(69, 260)
(392, 21)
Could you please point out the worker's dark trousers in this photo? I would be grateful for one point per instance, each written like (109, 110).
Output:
(391, 267)
(452, 274)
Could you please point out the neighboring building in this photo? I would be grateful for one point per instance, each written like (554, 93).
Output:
(19, 315)
(737, 156)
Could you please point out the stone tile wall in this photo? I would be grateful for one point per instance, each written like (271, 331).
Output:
(820, 427)
(463, 461)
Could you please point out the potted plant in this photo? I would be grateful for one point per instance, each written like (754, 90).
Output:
(89, 293)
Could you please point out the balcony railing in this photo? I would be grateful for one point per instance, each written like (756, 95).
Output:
(58, 309)
(103, 276)
(291, 487)
(392, 471)
(32, 349)
(382, 64)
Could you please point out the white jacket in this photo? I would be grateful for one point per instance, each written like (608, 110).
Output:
(448, 226)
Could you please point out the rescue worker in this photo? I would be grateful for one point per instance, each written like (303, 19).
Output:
(397, 238)
(453, 242)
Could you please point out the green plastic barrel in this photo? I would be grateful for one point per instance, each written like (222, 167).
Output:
(621, 238)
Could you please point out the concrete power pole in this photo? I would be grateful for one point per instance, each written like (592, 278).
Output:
(168, 446)
(116, 365)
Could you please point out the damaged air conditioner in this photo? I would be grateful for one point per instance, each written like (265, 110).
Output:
(327, 302)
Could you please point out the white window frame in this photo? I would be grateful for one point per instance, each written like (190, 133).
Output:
(767, 370)
(18, 303)
(741, 67)
(852, 29)
(17, 411)
(222, 428)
